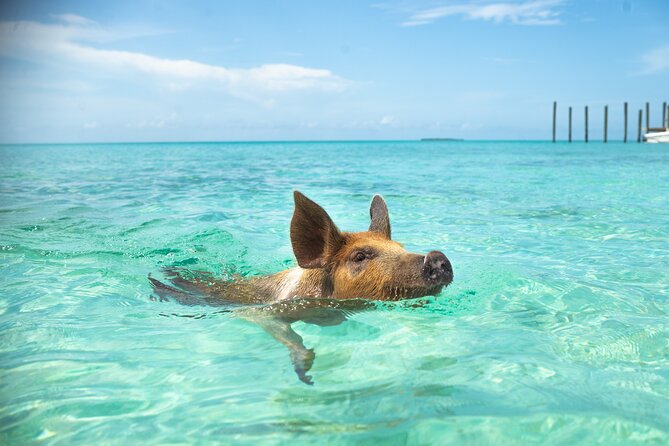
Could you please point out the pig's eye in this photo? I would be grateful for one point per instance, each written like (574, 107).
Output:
(359, 257)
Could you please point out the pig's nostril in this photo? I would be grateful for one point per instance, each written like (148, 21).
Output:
(437, 268)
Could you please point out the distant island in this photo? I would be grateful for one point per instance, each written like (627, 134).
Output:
(442, 139)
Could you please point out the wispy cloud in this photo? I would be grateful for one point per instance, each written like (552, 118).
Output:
(655, 60)
(385, 120)
(73, 19)
(70, 42)
(367, 124)
(533, 12)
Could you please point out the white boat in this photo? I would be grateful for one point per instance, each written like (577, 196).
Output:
(657, 135)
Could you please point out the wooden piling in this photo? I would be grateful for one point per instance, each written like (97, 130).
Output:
(586, 123)
(569, 124)
(647, 116)
(638, 135)
(625, 137)
(606, 122)
(554, 118)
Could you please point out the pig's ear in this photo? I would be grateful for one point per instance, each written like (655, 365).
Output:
(378, 212)
(313, 234)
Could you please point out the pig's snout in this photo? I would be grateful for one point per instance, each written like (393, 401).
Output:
(437, 268)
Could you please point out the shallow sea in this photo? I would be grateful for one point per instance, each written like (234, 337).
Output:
(555, 330)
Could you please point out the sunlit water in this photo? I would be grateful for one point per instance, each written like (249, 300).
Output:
(554, 331)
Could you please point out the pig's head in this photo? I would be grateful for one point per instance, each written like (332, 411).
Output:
(364, 264)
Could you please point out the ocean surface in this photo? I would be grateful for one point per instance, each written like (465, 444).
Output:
(554, 331)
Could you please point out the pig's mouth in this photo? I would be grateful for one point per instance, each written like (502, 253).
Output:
(400, 292)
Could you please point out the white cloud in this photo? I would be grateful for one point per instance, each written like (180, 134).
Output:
(471, 126)
(372, 124)
(533, 12)
(73, 19)
(655, 60)
(69, 43)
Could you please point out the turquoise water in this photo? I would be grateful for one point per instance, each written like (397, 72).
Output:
(555, 330)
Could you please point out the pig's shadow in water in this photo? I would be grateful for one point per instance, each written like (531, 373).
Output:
(190, 288)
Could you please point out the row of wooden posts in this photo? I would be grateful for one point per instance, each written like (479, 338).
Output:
(665, 123)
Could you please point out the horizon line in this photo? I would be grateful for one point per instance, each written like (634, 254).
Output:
(272, 141)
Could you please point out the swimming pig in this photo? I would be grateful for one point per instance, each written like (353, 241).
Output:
(333, 266)
(338, 265)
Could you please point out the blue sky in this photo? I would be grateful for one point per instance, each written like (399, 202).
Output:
(83, 71)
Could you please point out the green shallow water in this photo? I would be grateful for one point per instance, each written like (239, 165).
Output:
(555, 330)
